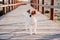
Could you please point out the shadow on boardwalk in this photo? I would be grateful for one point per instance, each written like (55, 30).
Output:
(50, 37)
(15, 36)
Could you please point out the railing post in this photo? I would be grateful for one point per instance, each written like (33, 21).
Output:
(42, 7)
(9, 6)
(52, 10)
(38, 5)
(32, 1)
(16, 2)
(4, 8)
(12, 3)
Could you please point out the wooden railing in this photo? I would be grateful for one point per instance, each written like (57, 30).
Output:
(48, 6)
(10, 5)
(6, 5)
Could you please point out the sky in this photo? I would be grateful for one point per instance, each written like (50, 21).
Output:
(0, 0)
(19, 0)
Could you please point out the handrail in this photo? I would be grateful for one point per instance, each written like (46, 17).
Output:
(51, 6)
(48, 6)
(12, 4)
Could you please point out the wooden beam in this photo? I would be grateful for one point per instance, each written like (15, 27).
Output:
(32, 1)
(38, 5)
(42, 7)
(35, 5)
(12, 3)
(4, 8)
(9, 6)
(16, 5)
(52, 10)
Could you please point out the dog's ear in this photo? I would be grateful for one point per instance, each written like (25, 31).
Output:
(28, 11)
(33, 12)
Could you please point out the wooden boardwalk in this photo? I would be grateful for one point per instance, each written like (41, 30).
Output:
(12, 26)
